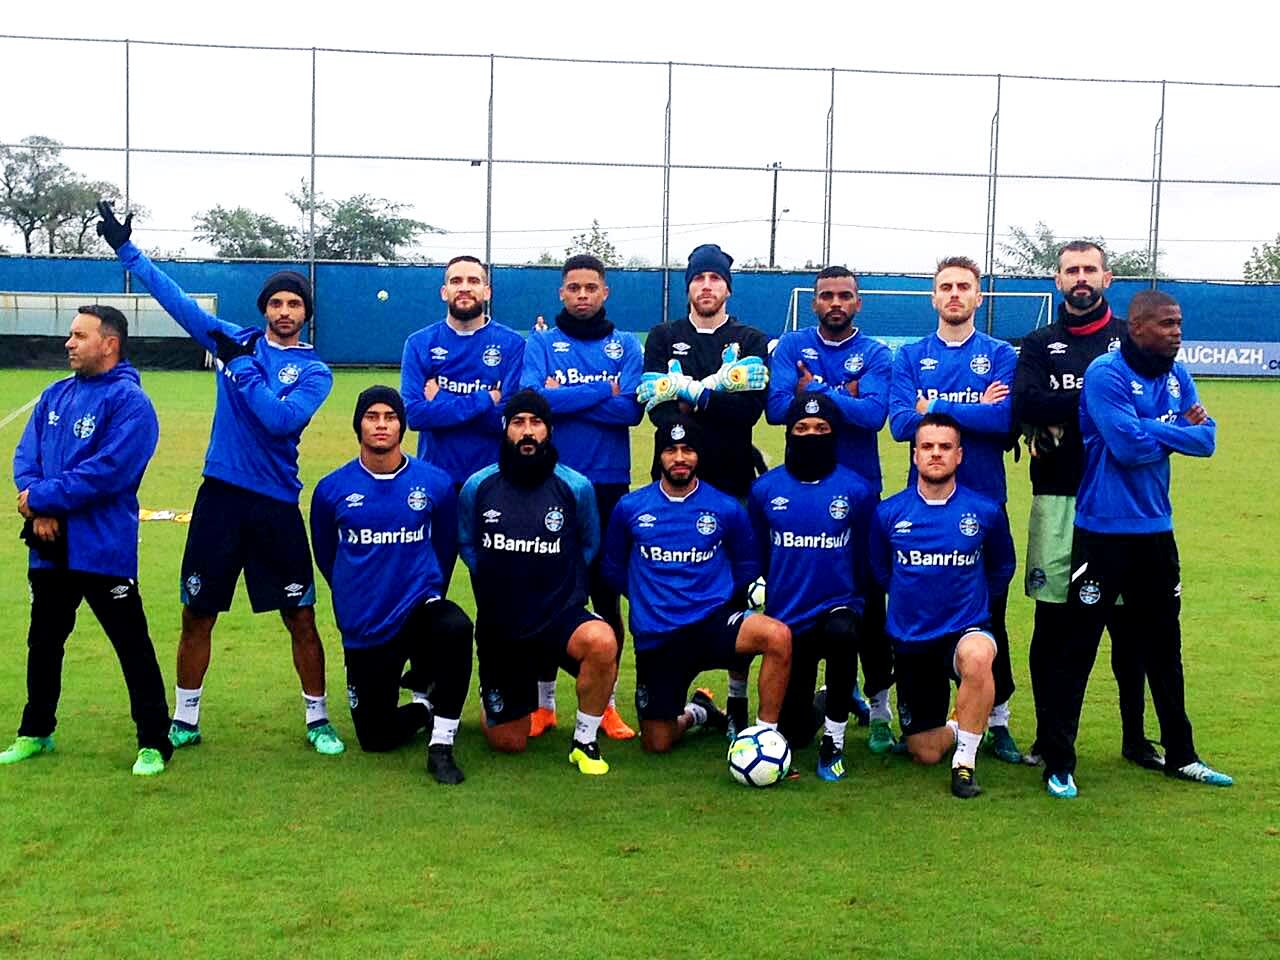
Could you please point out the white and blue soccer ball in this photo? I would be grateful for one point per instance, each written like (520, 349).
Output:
(759, 757)
(755, 593)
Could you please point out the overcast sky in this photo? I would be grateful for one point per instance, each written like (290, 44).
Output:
(184, 98)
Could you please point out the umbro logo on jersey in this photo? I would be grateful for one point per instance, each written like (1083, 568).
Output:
(1057, 348)
(120, 591)
(439, 353)
(289, 373)
(355, 499)
(492, 516)
(53, 418)
(809, 353)
(902, 526)
(492, 356)
(294, 590)
(779, 503)
(928, 363)
(646, 520)
(613, 350)
(681, 349)
(560, 346)
(980, 364)
(1136, 387)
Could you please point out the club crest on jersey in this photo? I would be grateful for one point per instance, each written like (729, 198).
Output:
(492, 355)
(853, 364)
(779, 503)
(681, 349)
(969, 525)
(1090, 593)
(193, 585)
(289, 373)
(839, 507)
(707, 524)
(554, 520)
(353, 698)
(1057, 348)
(928, 363)
(492, 516)
(53, 418)
(809, 353)
(439, 353)
(812, 407)
(355, 499)
(613, 350)
(84, 427)
(677, 432)
(646, 520)
(904, 716)
(1175, 388)
(980, 364)
(417, 499)
(1113, 345)
(560, 346)
(1037, 579)
(642, 698)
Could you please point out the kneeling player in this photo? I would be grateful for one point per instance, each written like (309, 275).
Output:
(369, 523)
(939, 549)
(809, 517)
(679, 549)
(528, 530)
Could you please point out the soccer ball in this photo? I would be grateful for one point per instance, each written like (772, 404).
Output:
(755, 593)
(759, 757)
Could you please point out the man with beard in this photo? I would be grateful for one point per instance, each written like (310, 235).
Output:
(383, 512)
(528, 530)
(939, 550)
(246, 514)
(588, 372)
(837, 360)
(965, 374)
(683, 552)
(1139, 406)
(712, 368)
(453, 376)
(1046, 401)
(810, 521)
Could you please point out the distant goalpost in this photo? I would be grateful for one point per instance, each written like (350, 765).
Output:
(892, 314)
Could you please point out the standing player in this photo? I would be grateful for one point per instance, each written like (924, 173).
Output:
(711, 367)
(77, 469)
(528, 530)
(939, 549)
(378, 525)
(810, 521)
(588, 372)
(1138, 407)
(453, 376)
(246, 514)
(682, 552)
(839, 361)
(967, 375)
(1046, 400)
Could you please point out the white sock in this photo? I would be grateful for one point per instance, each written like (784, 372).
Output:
(443, 731)
(999, 715)
(547, 694)
(880, 706)
(954, 727)
(420, 697)
(766, 724)
(966, 754)
(187, 704)
(317, 708)
(835, 730)
(696, 714)
(587, 728)
(737, 688)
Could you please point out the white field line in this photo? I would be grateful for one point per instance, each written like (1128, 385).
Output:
(9, 418)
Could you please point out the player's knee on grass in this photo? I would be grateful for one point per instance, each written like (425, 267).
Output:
(975, 654)
(659, 736)
(924, 750)
(510, 737)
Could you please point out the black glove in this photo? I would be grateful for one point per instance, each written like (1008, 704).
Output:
(229, 348)
(112, 230)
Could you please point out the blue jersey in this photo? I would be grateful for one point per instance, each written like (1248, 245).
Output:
(527, 549)
(460, 428)
(81, 459)
(376, 539)
(264, 401)
(677, 560)
(953, 377)
(938, 561)
(812, 537)
(591, 421)
(1130, 425)
(859, 358)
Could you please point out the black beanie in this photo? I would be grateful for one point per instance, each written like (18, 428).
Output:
(526, 401)
(812, 405)
(679, 429)
(289, 280)
(378, 394)
(709, 258)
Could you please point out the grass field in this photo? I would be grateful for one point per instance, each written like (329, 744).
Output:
(253, 846)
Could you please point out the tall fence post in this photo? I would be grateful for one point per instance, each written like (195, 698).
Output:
(993, 178)
(488, 188)
(826, 200)
(666, 205)
(128, 277)
(311, 211)
(1157, 176)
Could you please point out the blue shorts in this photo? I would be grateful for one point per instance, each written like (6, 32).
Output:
(666, 668)
(925, 672)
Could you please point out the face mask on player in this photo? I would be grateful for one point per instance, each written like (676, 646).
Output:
(812, 456)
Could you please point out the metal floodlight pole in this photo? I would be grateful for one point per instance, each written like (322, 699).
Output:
(311, 206)
(666, 204)
(1157, 176)
(773, 216)
(993, 179)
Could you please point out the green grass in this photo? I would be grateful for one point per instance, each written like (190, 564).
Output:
(250, 845)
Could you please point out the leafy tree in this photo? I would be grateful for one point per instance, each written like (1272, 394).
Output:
(546, 259)
(595, 242)
(242, 233)
(1132, 263)
(1263, 265)
(1031, 252)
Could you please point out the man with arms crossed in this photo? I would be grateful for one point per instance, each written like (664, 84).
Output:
(246, 514)
(77, 469)
(939, 550)
(378, 524)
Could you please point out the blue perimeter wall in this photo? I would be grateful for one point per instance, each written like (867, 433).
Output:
(355, 327)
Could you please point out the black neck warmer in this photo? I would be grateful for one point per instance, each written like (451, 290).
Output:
(595, 327)
(1074, 321)
(1147, 365)
(812, 456)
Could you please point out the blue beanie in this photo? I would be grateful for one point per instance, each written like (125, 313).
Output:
(709, 258)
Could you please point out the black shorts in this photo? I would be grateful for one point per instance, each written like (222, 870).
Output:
(664, 672)
(926, 672)
(234, 529)
(509, 669)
